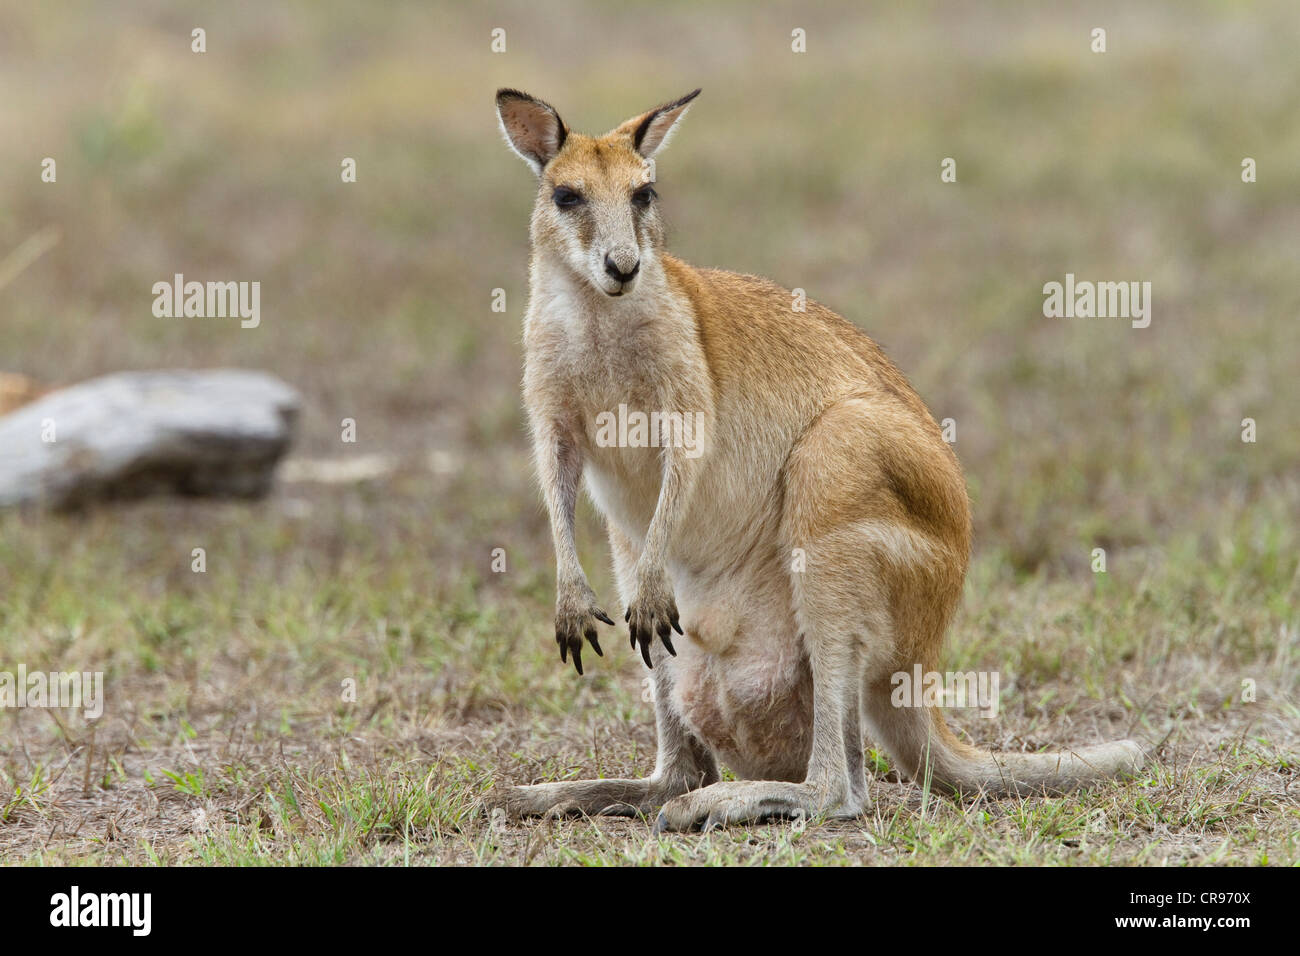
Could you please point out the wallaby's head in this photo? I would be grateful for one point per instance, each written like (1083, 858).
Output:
(596, 210)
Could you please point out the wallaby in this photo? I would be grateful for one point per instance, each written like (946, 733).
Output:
(810, 544)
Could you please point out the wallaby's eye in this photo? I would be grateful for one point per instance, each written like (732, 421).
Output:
(643, 196)
(566, 198)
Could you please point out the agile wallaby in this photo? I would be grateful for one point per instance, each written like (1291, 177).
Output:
(813, 445)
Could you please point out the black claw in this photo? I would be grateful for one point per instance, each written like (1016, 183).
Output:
(564, 652)
(664, 629)
(645, 653)
(591, 636)
(677, 626)
(577, 657)
(602, 616)
(627, 615)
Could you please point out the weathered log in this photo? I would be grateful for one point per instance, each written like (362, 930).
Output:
(213, 432)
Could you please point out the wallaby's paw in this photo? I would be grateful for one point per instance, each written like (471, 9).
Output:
(653, 611)
(1133, 756)
(616, 798)
(576, 614)
(536, 801)
(748, 801)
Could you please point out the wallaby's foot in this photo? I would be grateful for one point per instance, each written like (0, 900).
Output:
(752, 801)
(618, 798)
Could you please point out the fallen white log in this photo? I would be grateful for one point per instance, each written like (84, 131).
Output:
(211, 432)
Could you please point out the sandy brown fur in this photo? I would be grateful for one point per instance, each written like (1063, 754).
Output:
(817, 447)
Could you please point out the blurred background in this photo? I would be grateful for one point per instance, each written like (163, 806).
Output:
(819, 169)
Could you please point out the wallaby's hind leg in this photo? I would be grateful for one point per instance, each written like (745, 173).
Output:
(841, 604)
(835, 784)
(838, 636)
(683, 762)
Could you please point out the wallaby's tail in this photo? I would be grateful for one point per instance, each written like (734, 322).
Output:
(920, 741)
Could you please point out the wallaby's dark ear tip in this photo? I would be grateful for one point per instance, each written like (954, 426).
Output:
(656, 126)
(677, 104)
(508, 93)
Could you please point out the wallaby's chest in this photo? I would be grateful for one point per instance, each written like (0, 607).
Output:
(618, 363)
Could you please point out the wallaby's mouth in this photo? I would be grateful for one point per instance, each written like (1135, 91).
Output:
(616, 280)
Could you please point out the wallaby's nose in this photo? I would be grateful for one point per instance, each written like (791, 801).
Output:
(614, 272)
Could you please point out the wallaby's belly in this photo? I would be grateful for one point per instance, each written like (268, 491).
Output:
(741, 677)
(752, 703)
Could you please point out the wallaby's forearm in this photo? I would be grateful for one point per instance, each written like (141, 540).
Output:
(679, 473)
(559, 469)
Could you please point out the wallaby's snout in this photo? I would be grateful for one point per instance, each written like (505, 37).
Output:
(615, 268)
(596, 211)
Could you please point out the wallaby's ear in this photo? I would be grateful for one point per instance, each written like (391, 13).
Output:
(650, 131)
(532, 128)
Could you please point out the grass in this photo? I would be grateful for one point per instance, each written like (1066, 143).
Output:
(229, 735)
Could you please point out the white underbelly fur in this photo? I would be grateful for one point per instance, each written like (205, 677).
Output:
(749, 699)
